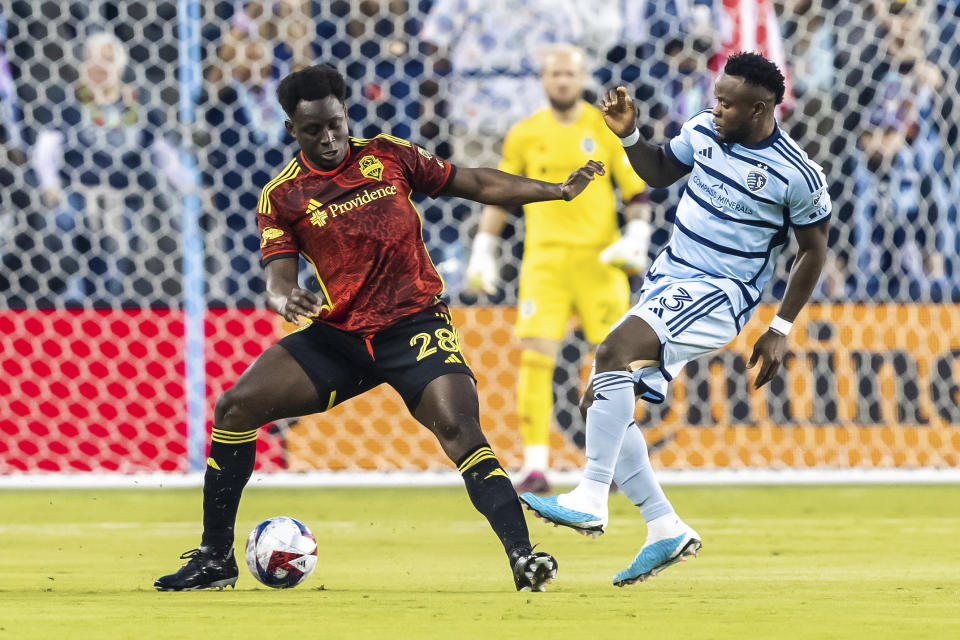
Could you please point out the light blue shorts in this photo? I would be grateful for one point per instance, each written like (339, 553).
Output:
(691, 317)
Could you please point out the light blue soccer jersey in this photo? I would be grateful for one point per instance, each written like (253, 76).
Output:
(738, 205)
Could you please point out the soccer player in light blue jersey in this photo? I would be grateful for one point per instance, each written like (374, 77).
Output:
(749, 184)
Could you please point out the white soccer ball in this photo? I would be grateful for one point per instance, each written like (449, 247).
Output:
(281, 552)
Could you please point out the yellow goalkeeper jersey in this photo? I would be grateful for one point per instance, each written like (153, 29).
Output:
(542, 148)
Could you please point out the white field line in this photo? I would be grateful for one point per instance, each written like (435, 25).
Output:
(452, 478)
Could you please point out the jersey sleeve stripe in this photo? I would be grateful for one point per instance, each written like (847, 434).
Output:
(451, 171)
(395, 140)
(280, 176)
(674, 159)
(290, 171)
(815, 223)
(814, 168)
(809, 175)
(283, 253)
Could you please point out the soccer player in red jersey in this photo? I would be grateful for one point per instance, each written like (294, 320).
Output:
(345, 205)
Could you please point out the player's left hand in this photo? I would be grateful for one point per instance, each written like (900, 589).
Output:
(769, 350)
(299, 302)
(580, 178)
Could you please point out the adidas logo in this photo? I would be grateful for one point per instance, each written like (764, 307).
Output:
(706, 152)
(452, 359)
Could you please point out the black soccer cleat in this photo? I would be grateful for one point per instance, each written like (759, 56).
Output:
(204, 570)
(532, 571)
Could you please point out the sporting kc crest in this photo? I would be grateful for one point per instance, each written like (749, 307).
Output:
(756, 180)
(370, 167)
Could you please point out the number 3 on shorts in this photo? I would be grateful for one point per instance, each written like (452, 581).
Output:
(446, 340)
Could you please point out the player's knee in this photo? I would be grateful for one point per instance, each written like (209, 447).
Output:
(463, 432)
(610, 357)
(231, 411)
(450, 431)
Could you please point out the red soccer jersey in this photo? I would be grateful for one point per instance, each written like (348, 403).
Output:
(358, 227)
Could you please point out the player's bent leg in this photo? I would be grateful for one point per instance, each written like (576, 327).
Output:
(449, 407)
(254, 400)
(669, 539)
(609, 413)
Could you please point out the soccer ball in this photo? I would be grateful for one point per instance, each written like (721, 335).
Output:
(281, 552)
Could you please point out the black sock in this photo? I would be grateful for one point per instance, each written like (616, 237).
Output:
(493, 495)
(232, 454)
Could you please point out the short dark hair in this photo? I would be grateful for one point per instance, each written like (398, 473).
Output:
(758, 71)
(312, 83)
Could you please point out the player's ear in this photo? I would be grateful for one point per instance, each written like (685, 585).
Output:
(759, 109)
(288, 125)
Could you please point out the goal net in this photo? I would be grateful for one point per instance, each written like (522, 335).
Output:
(137, 136)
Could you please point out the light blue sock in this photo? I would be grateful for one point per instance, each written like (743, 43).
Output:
(607, 419)
(634, 476)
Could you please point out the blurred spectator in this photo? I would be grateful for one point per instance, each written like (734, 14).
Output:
(105, 173)
(490, 48)
(373, 51)
(246, 142)
(898, 195)
(752, 25)
(809, 45)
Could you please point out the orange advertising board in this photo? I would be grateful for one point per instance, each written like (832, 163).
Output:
(863, 386)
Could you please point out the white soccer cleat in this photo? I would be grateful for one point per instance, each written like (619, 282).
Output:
(658, 554)
(565, 509)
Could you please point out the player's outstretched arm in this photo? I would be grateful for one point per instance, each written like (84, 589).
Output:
(811, 254)
(490, 186)
(284, 294)
(649, 161)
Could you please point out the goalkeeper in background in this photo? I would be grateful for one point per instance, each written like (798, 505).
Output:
(574, 258)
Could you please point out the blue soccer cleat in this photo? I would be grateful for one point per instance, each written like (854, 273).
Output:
(550, 510)
(656, 556)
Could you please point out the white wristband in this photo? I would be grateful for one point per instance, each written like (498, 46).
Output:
(631, 139)
(781, 326)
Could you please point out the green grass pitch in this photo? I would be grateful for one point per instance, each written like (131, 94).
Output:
(778, 562)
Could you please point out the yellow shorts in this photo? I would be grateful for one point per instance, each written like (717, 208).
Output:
(558, 281)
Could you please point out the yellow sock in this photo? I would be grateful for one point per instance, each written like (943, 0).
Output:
(535, 399)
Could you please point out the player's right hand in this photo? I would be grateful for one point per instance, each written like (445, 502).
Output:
(300, 302)
(619, 112)
(580, 178)
(482, 271)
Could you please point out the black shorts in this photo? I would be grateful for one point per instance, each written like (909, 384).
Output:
(407, 355)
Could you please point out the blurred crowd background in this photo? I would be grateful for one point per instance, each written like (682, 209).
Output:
(109, 126)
